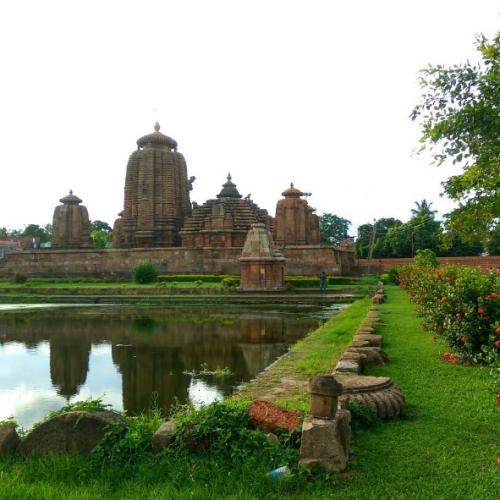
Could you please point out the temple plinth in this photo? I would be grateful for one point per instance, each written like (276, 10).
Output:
(71, 224)
(295, 222)
(223, 221)
(156, 195)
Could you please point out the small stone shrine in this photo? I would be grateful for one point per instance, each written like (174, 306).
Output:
(262, 265)
(156, 195)
(224, 221)
(295, 222)
(71, 224)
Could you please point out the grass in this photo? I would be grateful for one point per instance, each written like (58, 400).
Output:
(286, 381)
(445, 448)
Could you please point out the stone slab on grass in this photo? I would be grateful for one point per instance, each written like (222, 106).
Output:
(9, 439)
(71, 432)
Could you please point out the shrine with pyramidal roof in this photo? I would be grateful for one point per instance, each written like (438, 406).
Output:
(158, 222)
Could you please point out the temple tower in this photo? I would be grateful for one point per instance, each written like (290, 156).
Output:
(224, 221)
(295, 222)
(156, 195)
(71, 224)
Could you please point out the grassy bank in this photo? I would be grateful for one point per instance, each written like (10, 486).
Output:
(445, 448)
(286, 381)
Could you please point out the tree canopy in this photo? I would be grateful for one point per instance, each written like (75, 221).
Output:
(333, 229)
(460, 118)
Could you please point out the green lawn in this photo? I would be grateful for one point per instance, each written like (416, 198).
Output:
(445, 448)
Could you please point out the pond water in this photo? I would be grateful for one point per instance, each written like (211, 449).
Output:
(134, 358)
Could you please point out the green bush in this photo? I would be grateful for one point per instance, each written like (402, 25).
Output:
(426, 258)
(20, 279)
(144, 272)
(385, 278)
(183, 278)
(340, 280)
(302, 282)
(230, 282)
(459, 304)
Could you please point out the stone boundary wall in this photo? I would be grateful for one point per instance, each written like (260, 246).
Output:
(301, 260)
(381, 265)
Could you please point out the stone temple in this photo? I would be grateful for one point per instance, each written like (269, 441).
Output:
(159, 223)
(71, 224)
(295, 223)
(156, 195)
(224, 221)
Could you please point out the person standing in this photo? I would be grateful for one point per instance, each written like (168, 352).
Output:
(322, 282)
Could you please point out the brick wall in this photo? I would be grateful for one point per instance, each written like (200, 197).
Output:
(485, 263)
(301, 260)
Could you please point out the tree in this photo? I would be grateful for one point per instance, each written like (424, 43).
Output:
(101, 234)
(333, 229)
(381, 248)
(460, 119)
(423, 208)
(42, 234)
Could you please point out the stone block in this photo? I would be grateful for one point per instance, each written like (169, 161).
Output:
(325, 391)
(348, 366)
(71, 432)
(164, 436)
(9, 439)
(325, 442)
(369, 340)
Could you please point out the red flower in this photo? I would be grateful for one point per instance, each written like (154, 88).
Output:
(498, 459)
(480, 310)
(493, 295)
(497, 344)
(464, 339)
(497, 329)
(457, 315)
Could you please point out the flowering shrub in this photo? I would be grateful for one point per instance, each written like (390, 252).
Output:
(458, 304)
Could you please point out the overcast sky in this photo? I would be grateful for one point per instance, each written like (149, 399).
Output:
(314, 92)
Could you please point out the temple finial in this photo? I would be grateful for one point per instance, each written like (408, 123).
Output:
(291, 185)
(70, 191)
(157, 127)
(229, 177)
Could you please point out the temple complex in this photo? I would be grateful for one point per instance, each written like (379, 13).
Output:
(295, 222)
(156, 195)
(71, 224)
(159, 224)
(224, 221)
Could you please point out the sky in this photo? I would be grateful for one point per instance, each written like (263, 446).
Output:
(314, 92)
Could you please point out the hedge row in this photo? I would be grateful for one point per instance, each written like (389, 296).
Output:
(204, 278)
(458, 304)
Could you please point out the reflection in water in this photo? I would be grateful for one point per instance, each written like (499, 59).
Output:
(46, 356)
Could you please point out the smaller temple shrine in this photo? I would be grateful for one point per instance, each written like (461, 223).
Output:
(262, 266)
(71, 224)
(224, 221)
(295, 222)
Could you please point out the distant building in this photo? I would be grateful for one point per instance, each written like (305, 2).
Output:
(9, 246)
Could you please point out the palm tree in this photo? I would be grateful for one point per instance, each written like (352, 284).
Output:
(423, 208)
